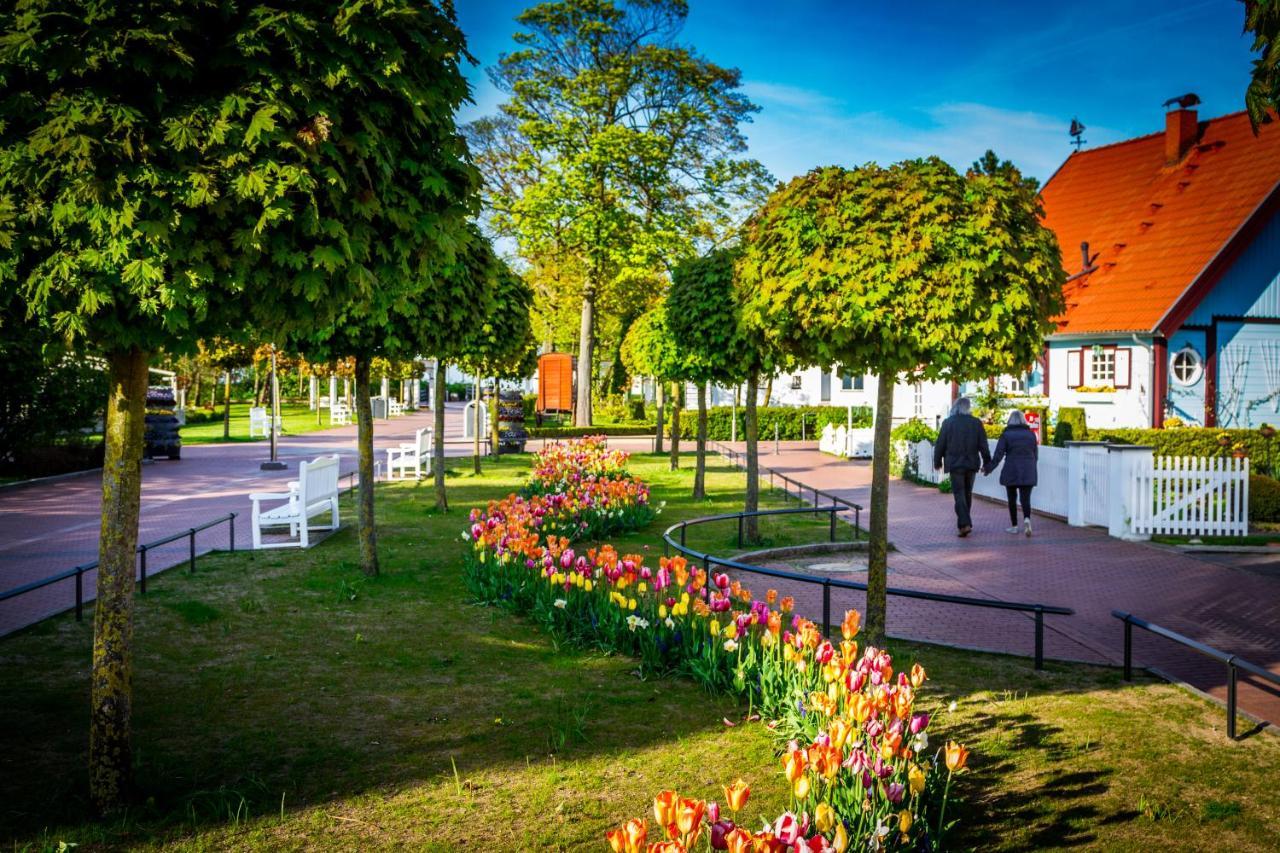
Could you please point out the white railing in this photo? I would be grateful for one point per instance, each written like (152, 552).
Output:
(1193, 495)
(1126, 490)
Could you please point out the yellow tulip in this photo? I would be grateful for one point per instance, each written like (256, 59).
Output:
(642, 587)
(904, 821)
(841, 840)
(957, 756)
(917, 675)
(915, 778)
(736, 795)
(714, 627)
(824, 817)
(664, 808)
(587, 584)
(802, 787)
(662, 611)
(886, 751)
(631, 604)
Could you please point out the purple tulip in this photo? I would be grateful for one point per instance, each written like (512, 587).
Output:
(719, 829)
(918, 723)
(895, 792)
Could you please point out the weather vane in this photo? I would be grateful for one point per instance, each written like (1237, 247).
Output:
(1077, 130)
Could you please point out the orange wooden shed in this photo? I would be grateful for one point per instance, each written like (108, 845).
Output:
(555, 382)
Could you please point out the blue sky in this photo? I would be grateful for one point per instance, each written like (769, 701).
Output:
(849, 82)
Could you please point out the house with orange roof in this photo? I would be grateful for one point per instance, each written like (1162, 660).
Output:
(1171, 243)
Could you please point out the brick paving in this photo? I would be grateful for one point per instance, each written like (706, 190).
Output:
(1235, 609)
(47, 528)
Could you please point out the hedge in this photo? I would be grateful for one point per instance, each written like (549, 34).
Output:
(598, 429)
(1191, 441)
(787, 418)
(1072, 426)
(1264, 498)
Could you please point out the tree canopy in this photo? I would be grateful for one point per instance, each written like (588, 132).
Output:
(650, 348)
(1262, 98)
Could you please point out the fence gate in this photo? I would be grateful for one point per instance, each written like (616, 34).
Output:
(1097, 485)
(1192, 496)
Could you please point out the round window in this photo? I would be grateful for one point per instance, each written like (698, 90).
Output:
(1186, 366)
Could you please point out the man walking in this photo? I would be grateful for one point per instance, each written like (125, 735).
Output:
(961, 451)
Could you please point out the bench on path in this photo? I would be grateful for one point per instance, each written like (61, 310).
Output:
(394, 408)
(410, 456)
(340, 414)
(260, 422)
(315, 491)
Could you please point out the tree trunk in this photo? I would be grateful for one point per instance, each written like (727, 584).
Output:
(659, 393)
(226, 407)
(475, 430)
(752, 502)
(364, 438)
(700, 467)
(586, 346)
(195, 390)
(494, 402)
(768, 390)
(878, 546)
(677, 401)
(111, 687)
(437, 441)
(257, 386)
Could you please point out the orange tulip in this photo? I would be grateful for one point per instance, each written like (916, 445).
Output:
(636, 832)
(839, 731)
(736, 795)
(689, 816)
(957, 756)
(617, 840)
(738, 841)
(793, 764)
(848, 652)
(849, 627)
(666, 847)
(664, 808)
(917, 676)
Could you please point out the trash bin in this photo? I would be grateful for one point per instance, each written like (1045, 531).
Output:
(379, 406)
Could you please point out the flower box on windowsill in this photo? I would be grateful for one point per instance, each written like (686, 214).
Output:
(1093, 398)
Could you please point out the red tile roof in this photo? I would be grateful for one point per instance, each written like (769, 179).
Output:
(1154, 227)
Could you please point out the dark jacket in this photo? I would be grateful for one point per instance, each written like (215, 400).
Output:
(961, 445)
(1019, 450)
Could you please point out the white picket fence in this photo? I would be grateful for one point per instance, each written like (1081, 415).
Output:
(1127, 490)
(1193, 496)
(850, 443)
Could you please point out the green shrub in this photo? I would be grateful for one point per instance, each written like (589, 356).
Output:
(914, 430)
(638, 409)
(598, 429)
(1264, 498)
(993, 430)
(530, 402)
(1191, 441)
(793, 422)
(1071, 426)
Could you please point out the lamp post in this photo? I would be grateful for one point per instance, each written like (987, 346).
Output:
(274, 464)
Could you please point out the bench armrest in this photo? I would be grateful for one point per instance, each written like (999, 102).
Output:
(271, 496)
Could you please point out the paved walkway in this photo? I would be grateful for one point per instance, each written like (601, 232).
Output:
(1233, 609)
(47, 528)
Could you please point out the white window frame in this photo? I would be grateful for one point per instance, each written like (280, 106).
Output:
(1197, 366)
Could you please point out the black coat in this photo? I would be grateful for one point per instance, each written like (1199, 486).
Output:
(1019, 450)
(961, 445)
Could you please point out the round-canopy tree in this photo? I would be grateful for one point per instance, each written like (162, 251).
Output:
(649, 349)
(704, 313)
(912, 269)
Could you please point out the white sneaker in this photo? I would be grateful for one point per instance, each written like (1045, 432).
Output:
(1026, 527)
(1013, 531)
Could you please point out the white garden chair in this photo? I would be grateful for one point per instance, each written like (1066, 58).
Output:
(340, 414)
(395, 408)
(315, 491)
(260, 422)
(413, 456)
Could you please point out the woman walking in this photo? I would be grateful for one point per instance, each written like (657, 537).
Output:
(1020, 452)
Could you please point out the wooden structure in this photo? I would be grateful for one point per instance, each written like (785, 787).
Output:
(555, 382)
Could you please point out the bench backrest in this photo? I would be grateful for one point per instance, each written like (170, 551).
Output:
(424, 441)
(317, 478)
(258, 414)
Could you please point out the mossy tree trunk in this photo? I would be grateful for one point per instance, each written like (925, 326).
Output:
(752, 502)
(111, 682)
(226, 407)
(493, 418)
(677, 398)
(660, 393)
(878, 546)
(700, 466)
(368, 533)
(437, 439)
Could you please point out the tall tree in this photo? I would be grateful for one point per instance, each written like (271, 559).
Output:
(617, 146)
(909, 270)
(1262, 98)
(650, 349)
(704, 313)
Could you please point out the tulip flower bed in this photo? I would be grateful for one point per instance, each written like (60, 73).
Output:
(857, 756)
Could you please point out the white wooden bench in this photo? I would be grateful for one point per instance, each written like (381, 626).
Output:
(395, 407)
(315, 491)
(260, 422)
(340, 414)
(412, 456)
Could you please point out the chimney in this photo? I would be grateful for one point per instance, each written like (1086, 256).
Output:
(1180, 131)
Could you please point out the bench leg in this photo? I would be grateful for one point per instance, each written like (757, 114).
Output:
(257, 529)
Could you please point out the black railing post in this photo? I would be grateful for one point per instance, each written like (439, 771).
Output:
(833, 522)
(192, 540)
(233, 531)
(683, 526)
(826, 607)
(740, 530)
(1231, 697)
(79, 593)
(857, 523)
(1128, 649)
(142, 573)
(1039, 637)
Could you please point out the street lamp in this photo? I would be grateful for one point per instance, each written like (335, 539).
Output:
(274, 464)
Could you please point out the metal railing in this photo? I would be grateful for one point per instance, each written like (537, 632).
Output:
(77, 572)
(828, 584)
(738, 458)
(1233, 663)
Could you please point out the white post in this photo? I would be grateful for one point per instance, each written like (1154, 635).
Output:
(1128, 469)
(313, 389)
(333, 390)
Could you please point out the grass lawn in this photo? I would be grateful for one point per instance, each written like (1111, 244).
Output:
(283, 701)
(1260, 539)
(295, 416)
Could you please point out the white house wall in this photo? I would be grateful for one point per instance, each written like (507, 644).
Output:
(1124, 407)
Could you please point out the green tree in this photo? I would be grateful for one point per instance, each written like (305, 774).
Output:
(909, 270)
(227, 355)
(704, 313)
(650, 349)
(1262, 98)
(617, 146)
